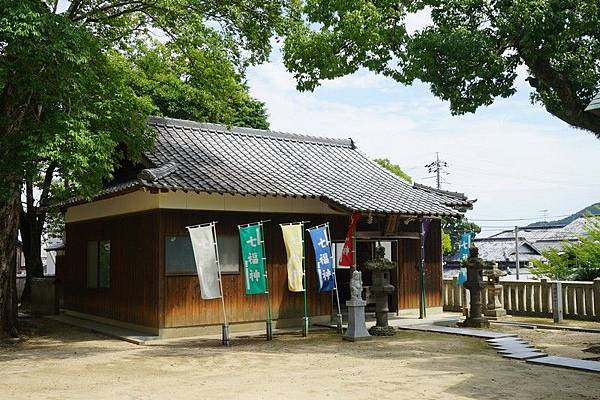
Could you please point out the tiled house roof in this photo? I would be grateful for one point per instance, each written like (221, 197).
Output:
(211, 158)
(594, 106)
(501, 249)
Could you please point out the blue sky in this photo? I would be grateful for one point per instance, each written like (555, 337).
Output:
(514, 157)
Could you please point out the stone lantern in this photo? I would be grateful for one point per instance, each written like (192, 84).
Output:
(475, 284)
(494, 307)
(381, 288)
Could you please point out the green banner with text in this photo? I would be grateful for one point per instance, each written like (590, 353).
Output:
(253, 258)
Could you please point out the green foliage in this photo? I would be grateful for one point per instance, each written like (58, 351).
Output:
(446, 243)
(558, 266)
(455, 227)
(199, 84)
(393, 168)
(469, 53)
(576, 260)
(66, 101)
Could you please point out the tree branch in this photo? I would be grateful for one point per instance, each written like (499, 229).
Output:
(47, 184)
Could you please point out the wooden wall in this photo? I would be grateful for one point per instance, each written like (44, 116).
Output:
(183, 305)
(409, 258)
(141, 292)
(133, 293)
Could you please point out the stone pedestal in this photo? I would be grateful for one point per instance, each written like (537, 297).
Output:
(494, 307)
(357, 329)
(44, 296)
(381, 288)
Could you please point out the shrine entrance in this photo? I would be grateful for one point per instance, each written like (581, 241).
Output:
(365, 251)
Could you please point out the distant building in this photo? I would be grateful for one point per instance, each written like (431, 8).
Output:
(594, 106)
(20, 259)
(533, 242)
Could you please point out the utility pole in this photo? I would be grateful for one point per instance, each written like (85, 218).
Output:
(517, 250)
(437, 167)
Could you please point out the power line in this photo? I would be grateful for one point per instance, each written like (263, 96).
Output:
(518, 219)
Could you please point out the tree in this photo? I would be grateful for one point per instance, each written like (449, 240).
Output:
(65, 107)
(469, 53)
(578, 260)
(200, 84)
(446, 243)
(393, 168)
(455, 227)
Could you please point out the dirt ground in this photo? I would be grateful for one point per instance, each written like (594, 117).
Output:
(61, 362)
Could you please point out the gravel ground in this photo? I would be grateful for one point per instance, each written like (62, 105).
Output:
(56, 361)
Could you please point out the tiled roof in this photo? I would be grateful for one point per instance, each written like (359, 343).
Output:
(454, 199)
(595, 104)
(543, 238)
(504, 250)
(211, 158)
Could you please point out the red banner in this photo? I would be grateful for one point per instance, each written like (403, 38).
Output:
(346, 258)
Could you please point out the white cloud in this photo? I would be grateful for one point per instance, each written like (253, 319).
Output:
(513, 156)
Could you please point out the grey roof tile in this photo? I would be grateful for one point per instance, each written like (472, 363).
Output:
(218, 159)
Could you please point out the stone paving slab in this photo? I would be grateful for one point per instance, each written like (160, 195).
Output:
(513, 346)
(527, 355)
(565, 362)
(506, 339)
(458, 331)
(517, 350)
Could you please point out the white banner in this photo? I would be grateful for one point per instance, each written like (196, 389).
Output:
(205, 255)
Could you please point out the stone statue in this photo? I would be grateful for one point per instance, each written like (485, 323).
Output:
(356, 286)
(357, 329)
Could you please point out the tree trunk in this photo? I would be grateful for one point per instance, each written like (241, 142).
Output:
(9, 215)
(31, 236)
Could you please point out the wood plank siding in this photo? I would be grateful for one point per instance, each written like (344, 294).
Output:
(133, 293)
(183, 305)
(142, 293)
(409, 258)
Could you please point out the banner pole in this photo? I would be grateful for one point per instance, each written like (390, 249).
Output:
(337, 294)
(225, 331)
(422, 303)
(305, 319)
(269, 322)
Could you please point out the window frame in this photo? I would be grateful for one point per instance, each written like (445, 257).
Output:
(98, 243)
(195, 272)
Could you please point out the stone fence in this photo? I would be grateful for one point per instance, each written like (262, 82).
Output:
(581, 300)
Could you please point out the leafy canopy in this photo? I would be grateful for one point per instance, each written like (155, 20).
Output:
(200, 84)
(65, 100)
(393, 168)
(576, 260)
(69, 95)
(469, 53)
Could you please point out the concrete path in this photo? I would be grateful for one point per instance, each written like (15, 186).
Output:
(507, 345)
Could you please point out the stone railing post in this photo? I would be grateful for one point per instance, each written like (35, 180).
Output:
(545, 295)
(557, 302)
(456, 288)
(597, 297)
